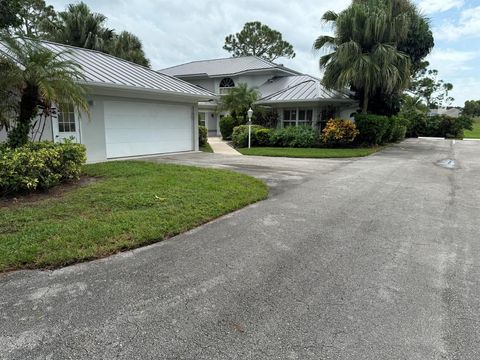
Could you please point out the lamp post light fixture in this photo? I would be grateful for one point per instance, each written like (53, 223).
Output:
(249, 113)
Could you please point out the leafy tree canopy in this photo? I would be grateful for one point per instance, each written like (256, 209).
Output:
(431, 90)
(26, 17)
(259, 40)
(471, 108)
(129, 47)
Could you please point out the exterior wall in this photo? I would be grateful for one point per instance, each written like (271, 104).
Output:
(208, 84)
(347, 113)
(92, 131)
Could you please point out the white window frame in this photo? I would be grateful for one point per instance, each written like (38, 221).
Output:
(204, 120)
(297, 120)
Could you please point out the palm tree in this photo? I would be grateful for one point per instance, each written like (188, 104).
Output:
(37, 79)
(79, 26)
(129, 47)
(364, 53)
(239, 100)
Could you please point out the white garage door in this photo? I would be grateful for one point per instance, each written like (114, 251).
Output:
(136, 128)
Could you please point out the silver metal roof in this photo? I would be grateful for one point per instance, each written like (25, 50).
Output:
(101, 69)
(297, 88)
(226, 66)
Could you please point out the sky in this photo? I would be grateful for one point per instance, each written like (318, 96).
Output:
(178, 31)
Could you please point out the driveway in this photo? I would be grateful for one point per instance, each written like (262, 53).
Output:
(371, 258)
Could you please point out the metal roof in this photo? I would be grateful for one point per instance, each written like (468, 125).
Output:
(100, 69)
(226, 66)
(297, 88)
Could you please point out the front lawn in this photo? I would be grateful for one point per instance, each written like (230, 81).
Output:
(475, 133)
(309, 152)
(130, 204)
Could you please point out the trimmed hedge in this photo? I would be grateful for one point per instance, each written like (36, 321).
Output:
(39, 166)
(379, 129)
(202, 135)
(240, 136)
(300, 137)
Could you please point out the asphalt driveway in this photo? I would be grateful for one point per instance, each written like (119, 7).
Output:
(370, 258)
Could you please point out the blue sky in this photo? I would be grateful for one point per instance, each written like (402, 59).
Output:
(178, 31)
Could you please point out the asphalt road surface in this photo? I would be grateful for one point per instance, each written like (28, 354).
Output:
(371, 258)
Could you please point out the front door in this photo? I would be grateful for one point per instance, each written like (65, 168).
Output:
(65, 126)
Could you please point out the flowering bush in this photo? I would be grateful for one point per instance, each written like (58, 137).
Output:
(339, 132)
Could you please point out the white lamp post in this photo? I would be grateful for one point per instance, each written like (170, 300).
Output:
(249, 113)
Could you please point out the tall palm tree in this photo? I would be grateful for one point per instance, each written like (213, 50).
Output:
(79, 26)
(37, 79)
(364, 54)
(129, 47)
(239, 100)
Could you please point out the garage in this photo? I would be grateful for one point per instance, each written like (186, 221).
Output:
(145, 128)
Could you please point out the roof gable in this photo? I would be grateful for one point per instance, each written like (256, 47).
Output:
(225, 67)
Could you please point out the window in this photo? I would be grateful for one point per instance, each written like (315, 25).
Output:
(201, 118)
(289, 117)
(297, 117)
(305, 117)
(226, 84)
(66, 120)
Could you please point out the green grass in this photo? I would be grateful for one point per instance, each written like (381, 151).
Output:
(206, 148)
(131, 204)
(475, 133)
(309, 152)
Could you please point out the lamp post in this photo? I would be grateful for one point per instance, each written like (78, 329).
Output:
(249, 113)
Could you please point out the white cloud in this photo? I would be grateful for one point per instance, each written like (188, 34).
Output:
(435, 6)
(174, 32)
(467, 25)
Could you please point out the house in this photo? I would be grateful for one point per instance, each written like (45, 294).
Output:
(298, 99)
(134, 111)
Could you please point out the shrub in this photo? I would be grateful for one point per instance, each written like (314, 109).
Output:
(398, 128)
(202, 135)
(240, 135)
(227, 123)
(301, 137)
(262, 137)
(339, 132)
(451, 127)
(372, 128)
(419, 124)
(39, 166)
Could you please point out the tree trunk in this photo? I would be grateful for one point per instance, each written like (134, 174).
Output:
(18, 136)
(365, 102)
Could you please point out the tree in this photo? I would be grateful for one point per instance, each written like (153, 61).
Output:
(365, 57)
(258, 40)
(129, 47)
(38, 80)
(416, 44)
(471, 108)
(433, 92)
(239, 100)
(8, 14)
(79, 26)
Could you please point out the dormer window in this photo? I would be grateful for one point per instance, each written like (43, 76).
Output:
(226, 84)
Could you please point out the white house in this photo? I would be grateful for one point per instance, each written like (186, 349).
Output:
(298, 99)
(134, 111)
